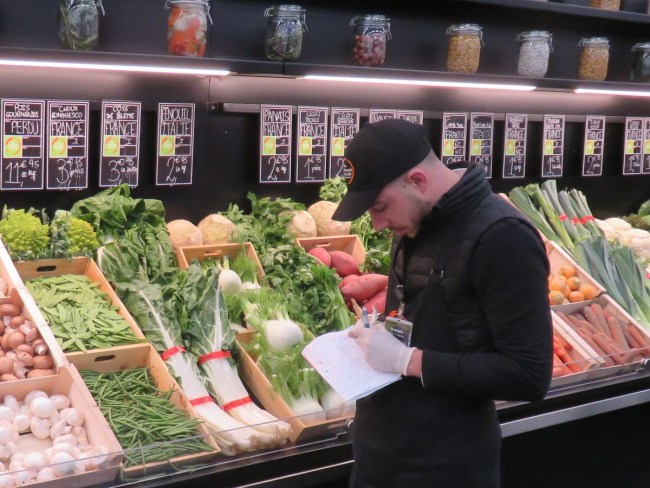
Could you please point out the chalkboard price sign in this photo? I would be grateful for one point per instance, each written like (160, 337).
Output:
(344, 125)
(67, 152)
(22, 145)
(481, 134)
(454, 135)
(592, 159)
(632, 151)
(514, 150)
(175, 144)
(378, 114)
(120, 143)
(553, 146)
(646, 147)
(415, 116)
(275, 143)
(311, 145)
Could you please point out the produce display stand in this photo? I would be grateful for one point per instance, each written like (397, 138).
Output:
(350, 244)
(186, 254)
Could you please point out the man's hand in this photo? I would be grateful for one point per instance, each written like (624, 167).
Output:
(382, 350)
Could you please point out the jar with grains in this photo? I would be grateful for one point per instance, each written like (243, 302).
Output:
(606, 4)
(370, 35)
(286, 24)
(594, 58)
(187, 27)
(641, 63)
(79, 24)
(535, 50)
(464, 48)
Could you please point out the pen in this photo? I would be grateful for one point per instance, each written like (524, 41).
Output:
(364, 318)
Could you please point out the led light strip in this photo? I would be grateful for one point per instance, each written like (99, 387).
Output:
(625, 93)
(115, 67)
(397, 81)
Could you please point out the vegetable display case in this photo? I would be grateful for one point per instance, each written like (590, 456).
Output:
(610, 410)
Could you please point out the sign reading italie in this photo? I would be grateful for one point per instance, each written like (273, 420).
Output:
(481, 134)
(454, 135)
(592, 159)
(633, 146)
(67, 152)
(120, 143)
(275, 143)
(22, 159)
(377, 114)
(514, 146)
(312, 144)
(175, 144)
(415, 116)
(553, 146)
(344, 125)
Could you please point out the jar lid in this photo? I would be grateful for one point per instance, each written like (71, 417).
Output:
(535, 34)
(594, 41)
(641, 46)
(284, 9)
(204, 3)
(369, 19)
(464, 28)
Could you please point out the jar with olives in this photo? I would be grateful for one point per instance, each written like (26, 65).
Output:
(370, 35)
(464, 48)
(594, 58)
(284, 30)
(79, 24)
(187, 27)
(606, 4)
(534, 53)
(641, 63)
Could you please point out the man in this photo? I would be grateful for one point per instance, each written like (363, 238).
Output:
(470, 273)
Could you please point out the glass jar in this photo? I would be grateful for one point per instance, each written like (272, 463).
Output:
(594, 58)
(641, 63)
(284, 31)
(464, 48)
(534, 52)
(79, 24)
(606, 4)
(370, 35)
(187, 27)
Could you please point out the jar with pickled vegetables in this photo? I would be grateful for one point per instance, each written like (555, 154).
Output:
(79, 24)
(464, 48)
(284, 29)
(606, 4)
(594, 58)
(187, 27)
(370, 35)
(641, 63)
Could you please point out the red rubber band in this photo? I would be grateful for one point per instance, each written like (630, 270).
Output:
(214, 355)
(165, 355)
(236, 403)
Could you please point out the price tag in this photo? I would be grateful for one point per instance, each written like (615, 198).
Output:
(377, 114)
(481, 135)
(22, 145)
(344, 125)
(311, 145)
(632, 151)
(120, 143)
(67, 152)
(275, 143)
(553, 146)
(454, 135)
(175, 156)
(592, 159)
(415, 116)
(514, 146)
(646, 147)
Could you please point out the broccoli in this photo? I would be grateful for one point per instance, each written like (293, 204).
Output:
(25, 236)
(72, 236)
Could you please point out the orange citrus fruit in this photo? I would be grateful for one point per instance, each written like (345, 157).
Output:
(588, 291)
(556, 297)
(573, 283)
(557, 284)
(576, 296)
(567, 271)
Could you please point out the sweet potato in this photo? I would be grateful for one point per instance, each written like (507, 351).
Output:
(364, 286)
(344, 263)
(377, 302)
(322, 255)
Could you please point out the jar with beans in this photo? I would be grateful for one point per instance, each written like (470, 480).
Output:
(606, 4)
(534, 53)
(641, 63)
(594, 58)
(284, 30)
(464, 48)
(370, 35)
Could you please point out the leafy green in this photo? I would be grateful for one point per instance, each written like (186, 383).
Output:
(644, 209)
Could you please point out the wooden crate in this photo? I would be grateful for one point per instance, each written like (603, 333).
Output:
(145, 356)
(261, 387)
(8, 271)
(557, 257)
(68, 382)
(350, 244)
(185, 254)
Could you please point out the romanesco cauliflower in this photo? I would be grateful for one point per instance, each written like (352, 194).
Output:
(72, 236)
(24, 235)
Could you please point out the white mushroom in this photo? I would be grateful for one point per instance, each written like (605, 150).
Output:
(42, 407)
(73, 416)
(45, 474)
(60, 401)
(6, 481)
(40, 427)
(59, 428)
(11, 402)
(21, 423)
(101, 458)
(63, 464)
(66, 439)
(34, 394)
(6, 413)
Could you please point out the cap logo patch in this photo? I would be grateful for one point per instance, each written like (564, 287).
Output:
(348, 170)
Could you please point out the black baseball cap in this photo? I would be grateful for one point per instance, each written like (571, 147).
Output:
(378, 154)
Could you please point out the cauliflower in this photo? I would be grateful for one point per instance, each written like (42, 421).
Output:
(25, 236)
(72, 236)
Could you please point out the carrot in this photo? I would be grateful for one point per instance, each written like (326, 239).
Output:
(617, 331)
(322, 255)
(588, 338)
(638, 336)
(593, 319)
(563, 341)
(344, 264)
(600, 315)
(377, 301)
(631, 342)
(608, 347)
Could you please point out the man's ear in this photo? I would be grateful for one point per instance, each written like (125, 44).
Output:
(417, 178)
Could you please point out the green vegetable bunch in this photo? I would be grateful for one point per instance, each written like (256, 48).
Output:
(24, 234)
(72, 236)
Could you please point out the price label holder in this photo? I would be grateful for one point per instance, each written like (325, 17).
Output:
(553, 146)
(120, 143)
(67, 150)
(481, 137)
(646, 146)
(377, 114)
(633, 146)
(514, 146)
(415, 116)
(344, 125)
(592, 159)
(454, 135)
(22, 159)
(311, 144)
(275, 143)
(175, 148)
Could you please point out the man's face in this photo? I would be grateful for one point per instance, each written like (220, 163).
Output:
(400, 208)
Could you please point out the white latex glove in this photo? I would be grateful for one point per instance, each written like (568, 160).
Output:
(382, 350)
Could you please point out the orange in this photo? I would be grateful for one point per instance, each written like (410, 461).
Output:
(588, 291)
(573, 283)
(556, 297)
(576, 296)
(567, 271)
(557, 284)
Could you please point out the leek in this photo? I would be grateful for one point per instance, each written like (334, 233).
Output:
(520, 198)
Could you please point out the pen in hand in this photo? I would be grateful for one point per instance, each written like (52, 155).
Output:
(364, 318)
